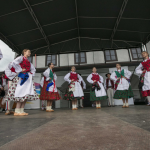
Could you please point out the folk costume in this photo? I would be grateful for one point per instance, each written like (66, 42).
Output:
(22, 87)
(122, 86)
(109, 86)
(143, 70)
(1, 55)
(49, 89)
(74, 91)
(83, 85)
(97, 91)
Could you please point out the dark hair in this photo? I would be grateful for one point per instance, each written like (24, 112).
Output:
(49, 64)
(24, 51)
(118, 64)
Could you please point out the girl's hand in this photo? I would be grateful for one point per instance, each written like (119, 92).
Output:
(72, 80)
(95, 81)
(23, 70)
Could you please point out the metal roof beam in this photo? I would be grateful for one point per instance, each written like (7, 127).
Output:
(78, 24)
(36, 21)
(119, 18)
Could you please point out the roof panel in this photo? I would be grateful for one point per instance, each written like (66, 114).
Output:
(96, 33)
(9, 6)
(60, 27)
(63, 36)
(99, 8)
(97, 22)
(55, 11)
(134, 25)
(137, 9)
(17, 22)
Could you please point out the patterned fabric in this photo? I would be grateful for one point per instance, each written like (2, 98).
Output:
(145, 93)
(73, 76)
(95, 85)
(46, 95)
(111, 81)
(11, 93)
(121, 74)
(94, 98)
(146, 65)
(119, 94)
(25, 64)
(51, 75)
(69, 95)
(95, 77)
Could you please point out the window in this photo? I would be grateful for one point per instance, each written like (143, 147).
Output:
(52, 59)
(136, 53)
(110, 55)
(80, 57)
(30, 59)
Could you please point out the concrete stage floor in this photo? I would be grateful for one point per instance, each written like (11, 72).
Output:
(114, 128)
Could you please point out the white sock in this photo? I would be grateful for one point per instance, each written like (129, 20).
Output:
(99, 105)
(47, 107)
(50, 107)
(96, 105)
(21, 110)
(126, 104)
(17, 110)
(148, 98)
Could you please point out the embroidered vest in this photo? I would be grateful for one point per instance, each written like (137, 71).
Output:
(112, 83)
(119, 75)
(73, 76)
(25, 64)
(95, 77)
(146, 65)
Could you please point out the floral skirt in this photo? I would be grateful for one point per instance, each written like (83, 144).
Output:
(120, 94)
(70, 97)
(94, 98)
(11, 93)
(145, 93)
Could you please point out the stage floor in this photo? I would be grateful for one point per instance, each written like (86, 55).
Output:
(114, 128)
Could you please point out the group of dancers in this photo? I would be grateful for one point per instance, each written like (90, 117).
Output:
(20, 72)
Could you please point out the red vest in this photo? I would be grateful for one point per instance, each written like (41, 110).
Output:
(25, 64)
(146, 65)
(73, 76)
(111, 81)
(95, 77)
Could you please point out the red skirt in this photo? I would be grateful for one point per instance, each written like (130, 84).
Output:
(46, 95)
(145, 93)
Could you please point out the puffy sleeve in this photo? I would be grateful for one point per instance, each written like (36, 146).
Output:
(101, 79)
(32, 69)
(46, 74)
(113, 77)
(1, 55)
(89, 79)
(138, 70)
(127, 74)
(10, 75)
(55, 76)
(42, 82)
(80, 78)
(66, 78)
(16, 64)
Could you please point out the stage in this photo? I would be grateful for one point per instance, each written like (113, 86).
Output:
(114, 128)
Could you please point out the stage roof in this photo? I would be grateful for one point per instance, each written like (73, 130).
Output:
(66, 26)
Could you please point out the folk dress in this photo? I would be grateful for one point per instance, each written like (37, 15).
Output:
(16, 91)
(122, 86)
(51, 93)
(74, 90)
(145, 76)
(99, 93)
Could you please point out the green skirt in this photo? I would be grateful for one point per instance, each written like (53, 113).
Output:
(94, 98)
(120, 94)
